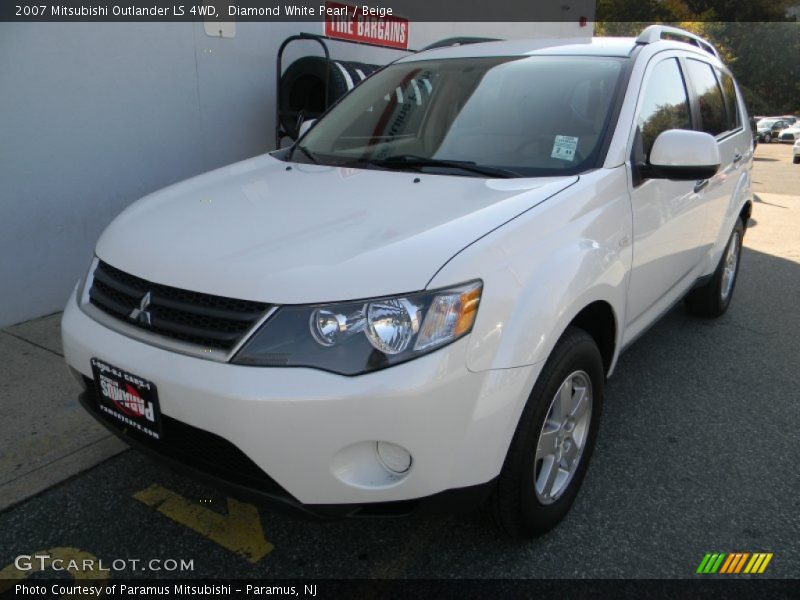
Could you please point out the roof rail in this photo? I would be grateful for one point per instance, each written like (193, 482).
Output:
(654, 33)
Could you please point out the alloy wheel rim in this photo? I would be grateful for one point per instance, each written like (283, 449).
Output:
(730, 266)
(563, 437)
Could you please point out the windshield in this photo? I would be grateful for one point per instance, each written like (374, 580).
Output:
(499, 116)
(766, 123)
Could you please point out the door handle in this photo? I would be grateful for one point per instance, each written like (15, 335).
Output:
(737, 158)
(700, 185)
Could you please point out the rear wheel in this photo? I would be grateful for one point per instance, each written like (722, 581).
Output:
(554, 439)
(796, 160)
(712, 299)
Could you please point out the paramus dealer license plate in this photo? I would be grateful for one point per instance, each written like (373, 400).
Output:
(127, 399)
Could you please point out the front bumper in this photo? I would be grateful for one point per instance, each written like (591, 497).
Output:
(313, 433)
(237, 477)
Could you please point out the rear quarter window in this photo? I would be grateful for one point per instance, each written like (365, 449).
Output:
(731, 103)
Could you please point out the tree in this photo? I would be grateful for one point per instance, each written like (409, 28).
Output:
(618, 11)
(763, 54)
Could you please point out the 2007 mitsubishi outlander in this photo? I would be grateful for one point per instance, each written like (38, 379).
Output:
(417, 304)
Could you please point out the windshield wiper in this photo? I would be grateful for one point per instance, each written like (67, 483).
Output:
(307, 152)
(414, 161)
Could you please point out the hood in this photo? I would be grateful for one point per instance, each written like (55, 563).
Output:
(260, 230)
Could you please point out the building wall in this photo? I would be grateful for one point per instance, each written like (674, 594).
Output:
(95, 116)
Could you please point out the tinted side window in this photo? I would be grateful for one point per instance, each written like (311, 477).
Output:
(665, 104)
(712, 107)
(734, 120)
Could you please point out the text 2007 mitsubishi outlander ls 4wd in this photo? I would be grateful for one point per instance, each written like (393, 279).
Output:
(418, 303)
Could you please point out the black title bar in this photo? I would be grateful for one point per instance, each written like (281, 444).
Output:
(322, 589)
(579, 11)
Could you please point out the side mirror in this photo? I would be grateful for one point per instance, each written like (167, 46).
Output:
(305, 126)
(684, 155)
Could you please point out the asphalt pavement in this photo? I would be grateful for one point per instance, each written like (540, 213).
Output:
(697, 453)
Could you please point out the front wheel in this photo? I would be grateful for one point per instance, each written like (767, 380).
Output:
(550, 452)
(712, 299)
(767, 138)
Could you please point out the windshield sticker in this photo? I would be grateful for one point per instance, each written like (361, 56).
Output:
(564, 147)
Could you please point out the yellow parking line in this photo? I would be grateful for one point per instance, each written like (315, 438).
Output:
(239, 531)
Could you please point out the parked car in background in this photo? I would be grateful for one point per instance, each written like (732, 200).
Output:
(796, 152)
(419, 302)
(770, 129)
(791, 119)
(790, 134)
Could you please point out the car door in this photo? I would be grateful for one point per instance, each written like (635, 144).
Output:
(668, 216)
(717, 105)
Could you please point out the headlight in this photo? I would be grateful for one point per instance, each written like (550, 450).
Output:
(357, 337)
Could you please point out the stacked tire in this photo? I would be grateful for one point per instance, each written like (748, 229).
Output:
(303, 88)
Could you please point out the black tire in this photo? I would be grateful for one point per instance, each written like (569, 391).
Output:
(796, 160)
(708, 300)
(303, 87)
(514, 504)
(767, 138)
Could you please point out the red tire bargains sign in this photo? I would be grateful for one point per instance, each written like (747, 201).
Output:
(373, 26)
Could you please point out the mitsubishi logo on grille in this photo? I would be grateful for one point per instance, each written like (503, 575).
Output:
(140, 313)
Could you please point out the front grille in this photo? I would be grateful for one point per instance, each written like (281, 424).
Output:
(192, 317)
(196, 448)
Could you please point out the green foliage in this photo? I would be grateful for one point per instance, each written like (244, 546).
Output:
(763, 54)
(765, 58)
(692, 10)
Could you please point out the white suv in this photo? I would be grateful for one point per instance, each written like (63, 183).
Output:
(417, 305)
